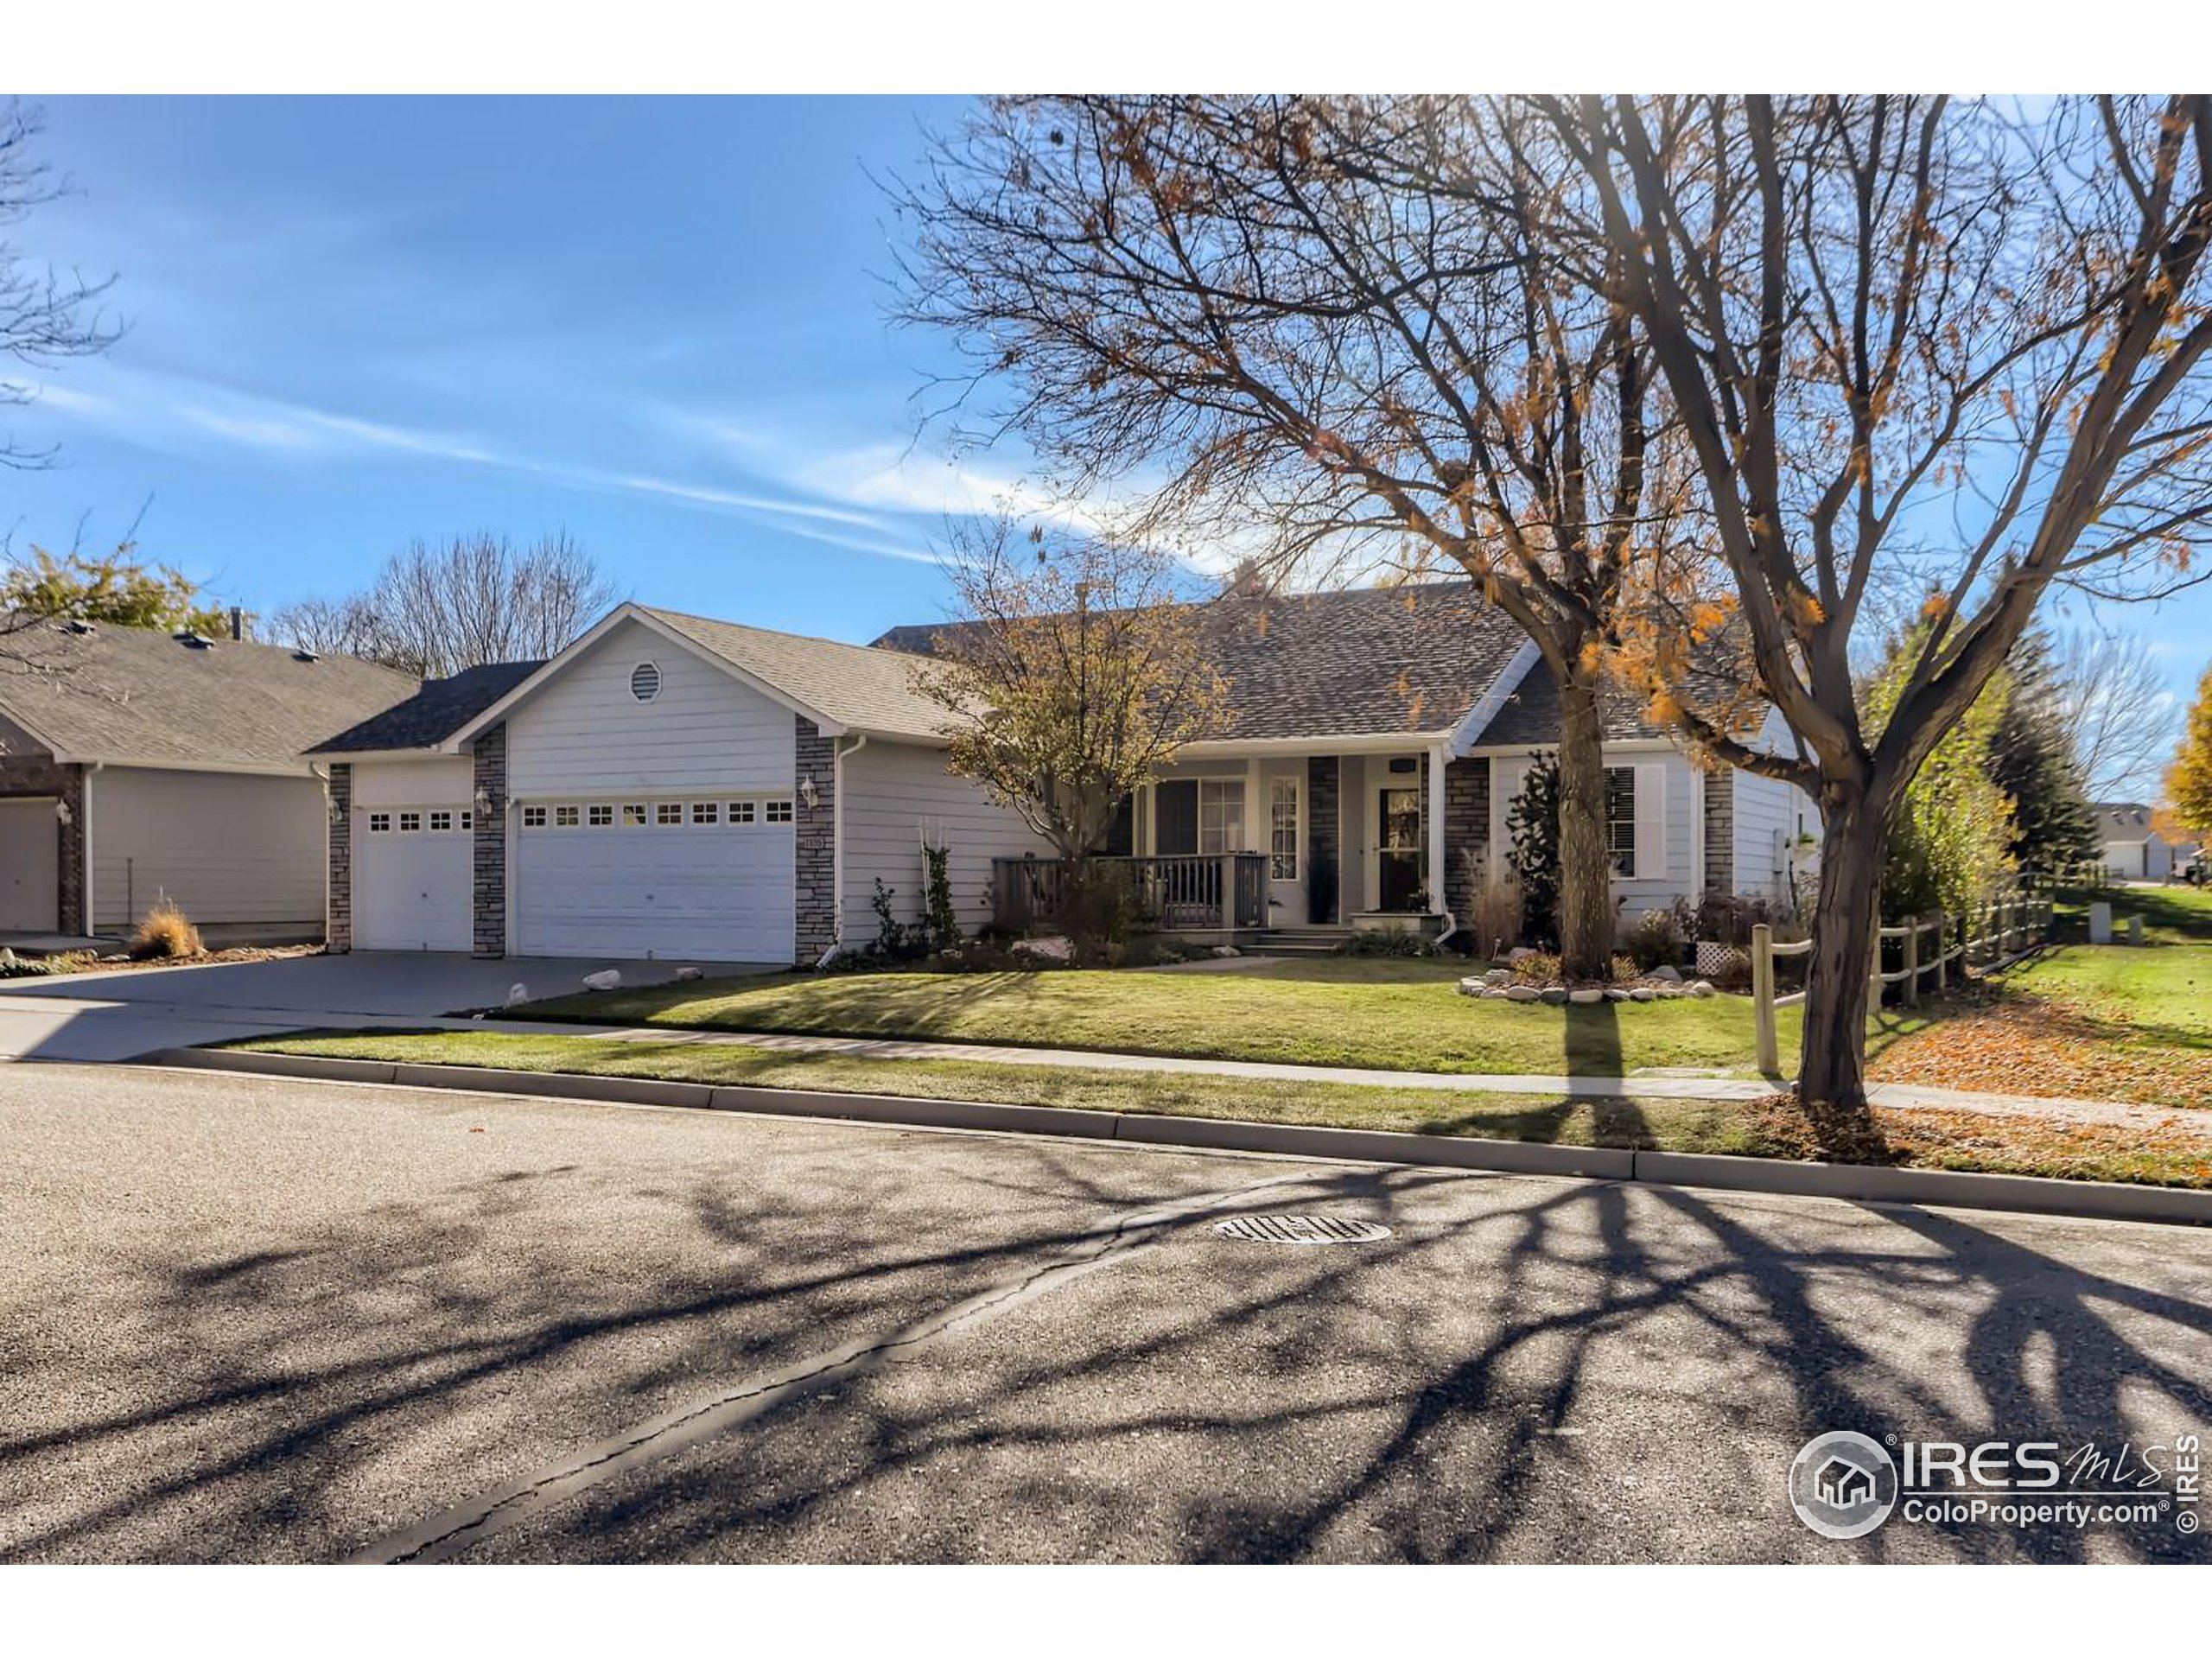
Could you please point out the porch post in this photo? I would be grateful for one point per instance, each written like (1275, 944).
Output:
(1433, 830)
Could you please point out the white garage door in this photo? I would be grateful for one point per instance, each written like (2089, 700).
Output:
(31, 866)
(411, 879)
(667, 878)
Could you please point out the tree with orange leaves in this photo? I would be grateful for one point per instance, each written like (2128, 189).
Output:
(2189, 781)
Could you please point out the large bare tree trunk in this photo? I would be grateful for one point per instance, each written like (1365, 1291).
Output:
(1585, 888)
(1832, 1071)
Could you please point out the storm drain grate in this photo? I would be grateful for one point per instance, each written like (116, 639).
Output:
(1301, 1230)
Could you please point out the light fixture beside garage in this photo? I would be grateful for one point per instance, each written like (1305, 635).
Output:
(645, 682)
(810, 793)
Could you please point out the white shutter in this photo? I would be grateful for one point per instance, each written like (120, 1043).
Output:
(1651, 821)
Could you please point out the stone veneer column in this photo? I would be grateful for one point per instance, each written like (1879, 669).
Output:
(1322, 782)
(490, 839)
(338, 925)
(1466, 833)
(1718, 793)
(815, 877)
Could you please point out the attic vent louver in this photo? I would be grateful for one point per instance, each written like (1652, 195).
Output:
(645, 682)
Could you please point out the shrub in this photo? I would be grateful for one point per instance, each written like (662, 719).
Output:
(1533, 822)
(939, 918)
(1655, 940)
(1540, 968)
(165, 932)
(895, 940)
(1386, 942)
(1496, 923)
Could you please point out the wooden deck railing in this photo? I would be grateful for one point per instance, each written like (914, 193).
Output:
(1184, 893)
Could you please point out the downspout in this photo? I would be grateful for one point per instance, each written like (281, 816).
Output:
(1439, 800)
(837, 849)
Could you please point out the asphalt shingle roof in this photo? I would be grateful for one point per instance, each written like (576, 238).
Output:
(137, 695)
(862, 688)
(2123, 820)
(434, 714)
(1342, 663)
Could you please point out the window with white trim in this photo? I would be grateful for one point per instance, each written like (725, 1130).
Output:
(633, 815)
(442, 822)
(668, 812)
(1620, 819)
(1220, 815)
(566, 817)
(776, 812)
(1283, 829)
(740, 811)
(533, 818)
(379, 824)
(706, 811)
(467, 820)
(411, 824)
(601, 816)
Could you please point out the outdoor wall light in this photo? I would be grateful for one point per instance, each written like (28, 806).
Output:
(62, 812)
(810, 792)
(485, 805)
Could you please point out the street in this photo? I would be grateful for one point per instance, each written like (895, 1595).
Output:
(260, 1320)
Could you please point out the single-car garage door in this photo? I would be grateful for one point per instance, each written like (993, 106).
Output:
(31, 866)
(709, 879)
(411, 879)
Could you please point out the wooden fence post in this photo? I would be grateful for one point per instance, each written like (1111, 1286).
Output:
(1770, 1054)
(1912, 961)
(1943, 950)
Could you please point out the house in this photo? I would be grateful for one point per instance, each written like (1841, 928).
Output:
(673, 785)
(2132, 849)
(135, 763)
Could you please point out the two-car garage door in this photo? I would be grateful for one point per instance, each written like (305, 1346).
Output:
(690, 877)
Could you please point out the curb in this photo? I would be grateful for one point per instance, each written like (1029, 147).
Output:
(2030, 1194)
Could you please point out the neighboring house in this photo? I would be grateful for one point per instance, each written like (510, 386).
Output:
(675, 787)
(136, 764)
(2132, 850)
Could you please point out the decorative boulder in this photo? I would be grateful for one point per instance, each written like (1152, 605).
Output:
(1702, 988)
(1643, 993)
(518, 994)
(1225, 951)
(1615, 993)
(605, 980)
(1586, 996)
(686, 973)
(1472, 985)
(1517, 954)
(1666, 974)
(1055, 949)
(1498, 976)
(1521, 993)
(1497, 993)
(1555, 994)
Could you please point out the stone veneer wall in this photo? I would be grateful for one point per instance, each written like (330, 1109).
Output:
(337, 926)
(1322, 785)
(1718, 793)
(1466, 831)
(816, 876)
(490, 843)
(26, 769)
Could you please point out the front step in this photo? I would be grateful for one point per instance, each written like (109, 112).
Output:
(1308, 941)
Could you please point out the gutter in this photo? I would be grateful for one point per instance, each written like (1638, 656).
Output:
(837, 845)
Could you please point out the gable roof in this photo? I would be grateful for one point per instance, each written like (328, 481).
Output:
(436, 712)
(857, 688)
(138, 696)
(2123, 820)
(1411, 661)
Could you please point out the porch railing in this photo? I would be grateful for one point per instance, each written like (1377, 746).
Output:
(1184, 893)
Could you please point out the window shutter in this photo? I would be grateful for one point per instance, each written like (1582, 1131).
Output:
(1651, 821)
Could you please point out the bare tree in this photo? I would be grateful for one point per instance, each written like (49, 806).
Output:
(2120, 720)
(45, 318)
(1329, 326)
(434, 610)
(1904, 329)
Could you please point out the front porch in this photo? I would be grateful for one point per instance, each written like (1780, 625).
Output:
(1227, 845)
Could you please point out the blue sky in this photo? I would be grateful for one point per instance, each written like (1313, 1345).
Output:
(658, 323)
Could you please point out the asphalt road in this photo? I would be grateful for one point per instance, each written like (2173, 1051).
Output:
(258, 1319)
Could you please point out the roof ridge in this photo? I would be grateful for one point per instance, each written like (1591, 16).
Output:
(666, 614)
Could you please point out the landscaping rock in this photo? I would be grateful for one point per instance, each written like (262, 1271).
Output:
(1055, 949)
(1586, 996)
(1666, 974)
(1472, 985)
(1496, 994)
(1521, 993)
(1555, 994)
(518, 994)
(1671, 993)
(1224, 951)
(1498, 976)
(1643, 993)
(686, 973)
(1702, 988)
(605, 980)
(1517, 954)
(1615, 993)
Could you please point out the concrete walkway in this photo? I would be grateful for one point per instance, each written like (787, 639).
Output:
(1894, 1094)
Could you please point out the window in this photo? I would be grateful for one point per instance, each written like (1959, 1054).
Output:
(533, 818)
(740, 811)
(467, 822)
(1283, 829)
(442, 823)
(1620, 819)
(1220, 815)
(706, 811)
(379, 824)
(668, 812)
(565, 817)
(602, 816)
(776, 812)
(633, 815)
(410, 823)
(645, 682)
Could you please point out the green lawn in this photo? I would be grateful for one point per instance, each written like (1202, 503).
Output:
(2020, 1145)
(1396, 1015)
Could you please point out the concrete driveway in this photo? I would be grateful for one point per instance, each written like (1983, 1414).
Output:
(251, 1318)
(118, 1015)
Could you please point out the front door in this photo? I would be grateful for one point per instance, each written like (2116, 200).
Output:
(1399, 858)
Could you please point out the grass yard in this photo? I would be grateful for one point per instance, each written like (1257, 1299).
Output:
(2101, 1022)
(2179, 1154)
(1376, 1012)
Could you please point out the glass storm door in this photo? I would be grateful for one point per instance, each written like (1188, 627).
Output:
(1399, 858)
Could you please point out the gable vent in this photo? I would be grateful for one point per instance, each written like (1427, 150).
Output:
(645, 682)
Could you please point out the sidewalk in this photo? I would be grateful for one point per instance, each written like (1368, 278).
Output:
(1898, 1096)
